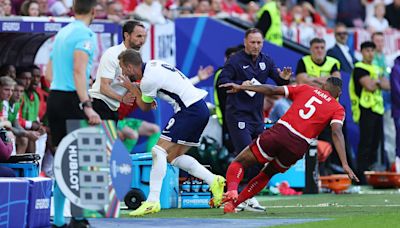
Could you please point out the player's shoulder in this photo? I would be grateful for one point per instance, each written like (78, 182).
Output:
(113, 51)
(301, 87)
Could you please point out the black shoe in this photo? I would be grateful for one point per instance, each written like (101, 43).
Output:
(74, 223)
(63, 226)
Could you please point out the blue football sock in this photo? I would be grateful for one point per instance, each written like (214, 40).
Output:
(59, 202)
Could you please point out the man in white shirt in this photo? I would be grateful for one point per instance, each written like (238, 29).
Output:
(159, 79)
(341, 51)
(106, 91)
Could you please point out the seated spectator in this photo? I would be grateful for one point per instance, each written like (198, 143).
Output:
(58, 8)
(351, 13)
(215, 8)
(232, 8)
(30, 8)
(327, 9)
(100, 11)
(251, 12)
(186, 7)
(8, 70)
(43, 8)
(392, 14)
(7, 8)
(115, 12)
(151, 11)
(311, 16)
(203, 7)
(378, 22)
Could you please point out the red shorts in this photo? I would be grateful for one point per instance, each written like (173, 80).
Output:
(279, 146)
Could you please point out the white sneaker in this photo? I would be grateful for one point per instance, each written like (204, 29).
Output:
(250, 205)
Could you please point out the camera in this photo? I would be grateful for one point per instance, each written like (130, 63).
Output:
(3, 135)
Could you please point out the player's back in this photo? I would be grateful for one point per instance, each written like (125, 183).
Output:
(311, 111)
(167, 82)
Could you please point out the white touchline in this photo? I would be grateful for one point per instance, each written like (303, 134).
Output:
(333, 205)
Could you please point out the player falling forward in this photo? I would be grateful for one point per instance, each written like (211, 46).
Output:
(159, 79)
(287, 141)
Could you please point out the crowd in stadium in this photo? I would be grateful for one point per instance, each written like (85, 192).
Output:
(24, 91)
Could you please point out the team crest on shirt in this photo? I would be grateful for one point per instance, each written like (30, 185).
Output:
(87, 45)
(262, 65)
(241, 125)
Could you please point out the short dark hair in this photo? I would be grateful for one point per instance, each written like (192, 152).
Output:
(130, 56)
(335, 81)
(367, 44)
(4, 69)
(317, 40)
(252, 30)
(129, 26)
(232, 50)
(83, 7)
(376, 34)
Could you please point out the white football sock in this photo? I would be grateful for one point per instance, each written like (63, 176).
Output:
(157, 173)
(194, 168)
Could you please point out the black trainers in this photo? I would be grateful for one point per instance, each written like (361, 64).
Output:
(74, 223)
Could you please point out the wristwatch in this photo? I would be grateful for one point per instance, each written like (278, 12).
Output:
(84, 104)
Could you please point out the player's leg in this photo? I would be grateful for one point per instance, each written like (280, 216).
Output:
(178, 158)
(235, 172)
(152, 131)
(157, 174)
(253, 187)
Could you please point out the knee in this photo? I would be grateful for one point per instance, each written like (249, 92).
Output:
(154, 129)
(171, 157)
(129, 133)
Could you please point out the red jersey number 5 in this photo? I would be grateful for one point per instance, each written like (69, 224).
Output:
(311, 108)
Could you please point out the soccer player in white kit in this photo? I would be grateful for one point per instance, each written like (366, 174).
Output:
(159, 79)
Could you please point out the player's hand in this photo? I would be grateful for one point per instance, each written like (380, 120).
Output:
(93, 117)
(6, 124)
(126, 82)
(128, 99)
(286, 73)
(232, 87)
(350, 173)
(33, 135)
(247, 83)
(205, 73)
(154, 105)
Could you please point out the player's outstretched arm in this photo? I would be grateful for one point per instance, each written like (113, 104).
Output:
(338, 141)
(263, 89)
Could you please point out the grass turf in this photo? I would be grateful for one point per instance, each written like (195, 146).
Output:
(372, 208)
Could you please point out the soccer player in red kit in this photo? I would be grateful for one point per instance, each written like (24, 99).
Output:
(288, 140)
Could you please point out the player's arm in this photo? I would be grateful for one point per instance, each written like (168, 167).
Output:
(263, 89)
(81, 60)
(384, 83)
(145, 103)
(105, 88)
(338, 141)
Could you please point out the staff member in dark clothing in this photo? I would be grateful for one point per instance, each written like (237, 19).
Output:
(244, 116)
(69, 70)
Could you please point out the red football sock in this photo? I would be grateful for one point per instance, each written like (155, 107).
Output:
(234, 175)
(253, 187)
